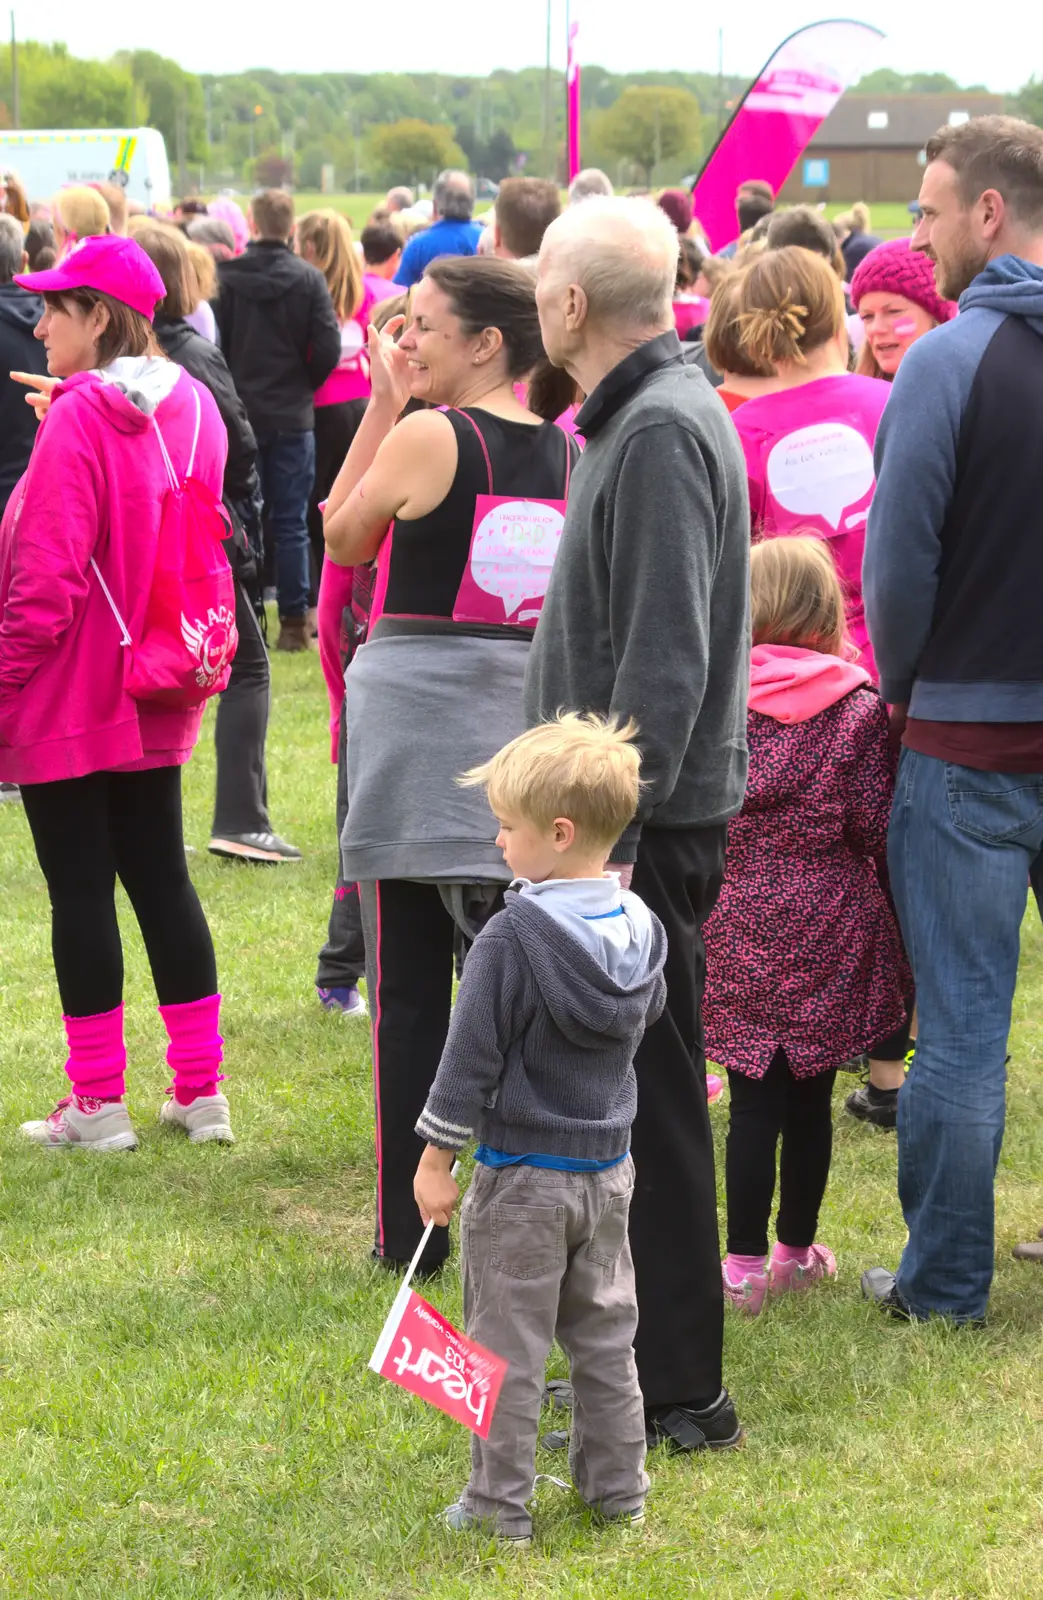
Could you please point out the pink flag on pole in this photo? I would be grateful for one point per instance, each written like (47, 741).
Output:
(779, 115)
(422, 1352)
(572, 91)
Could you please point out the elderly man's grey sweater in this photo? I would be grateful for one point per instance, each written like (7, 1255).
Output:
(647, 613)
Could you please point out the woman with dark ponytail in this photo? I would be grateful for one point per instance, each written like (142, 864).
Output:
(461, 505)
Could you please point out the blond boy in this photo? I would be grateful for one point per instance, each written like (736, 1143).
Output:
(538, 1067)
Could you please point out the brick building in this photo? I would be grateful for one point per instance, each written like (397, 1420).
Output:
(871, 146)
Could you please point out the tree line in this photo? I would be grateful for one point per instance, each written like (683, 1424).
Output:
(363, 131)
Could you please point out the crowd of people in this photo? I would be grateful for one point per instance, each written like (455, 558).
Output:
(678, 615)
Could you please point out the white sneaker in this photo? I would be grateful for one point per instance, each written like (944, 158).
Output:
(80, 1121)
(205, 1119)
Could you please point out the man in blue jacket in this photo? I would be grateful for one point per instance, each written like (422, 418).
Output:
(953, 586)
(451, 234)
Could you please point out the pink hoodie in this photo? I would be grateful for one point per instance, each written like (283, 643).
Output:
(94, 487)
(349, 379)
(809, 462)
(793, 684)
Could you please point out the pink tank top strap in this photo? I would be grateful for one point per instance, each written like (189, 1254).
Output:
(481, 440)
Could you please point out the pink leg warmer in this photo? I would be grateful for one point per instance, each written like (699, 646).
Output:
(97, 1054)
(195, 1053)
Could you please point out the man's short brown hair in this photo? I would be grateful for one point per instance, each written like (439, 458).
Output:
(379, 241)
(273, 214)
(525, 209)
(1001, 153)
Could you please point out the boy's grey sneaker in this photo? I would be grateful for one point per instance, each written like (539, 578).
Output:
(9, 791)
(205, 1119)
(628, 1521)
(266, 848)
(459, 1520)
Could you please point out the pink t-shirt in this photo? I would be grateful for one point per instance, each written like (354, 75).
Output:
(349, 379)
(386, 288)
(809, 462)
(690, 311)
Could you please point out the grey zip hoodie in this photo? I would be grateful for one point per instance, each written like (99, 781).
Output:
(540, 1053)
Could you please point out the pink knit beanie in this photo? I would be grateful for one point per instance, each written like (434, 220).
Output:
(895, 268)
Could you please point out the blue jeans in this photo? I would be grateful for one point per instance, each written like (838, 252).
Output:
(961, 849)
(286, 464)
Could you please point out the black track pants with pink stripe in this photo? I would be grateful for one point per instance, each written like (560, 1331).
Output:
(409, 977)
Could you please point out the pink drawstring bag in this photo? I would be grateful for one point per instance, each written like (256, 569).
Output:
(189, 636)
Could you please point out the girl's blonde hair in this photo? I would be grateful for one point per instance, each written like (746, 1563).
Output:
(582, 767)
(790, 303)
(330, 237)
(81, 212)
(857, 220)
(204, 270)
(795, 595)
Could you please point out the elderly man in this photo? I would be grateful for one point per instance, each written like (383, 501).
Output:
(451, 234)
(646, 616)
(399, 199)
(589, 183)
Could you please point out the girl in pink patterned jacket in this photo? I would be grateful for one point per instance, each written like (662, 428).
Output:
(805, 967)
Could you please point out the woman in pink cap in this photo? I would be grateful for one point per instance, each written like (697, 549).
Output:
(100, 771)
(894, 292)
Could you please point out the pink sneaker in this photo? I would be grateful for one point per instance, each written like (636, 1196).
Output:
(714, 1088)
(747, 1295)
(790, 1275)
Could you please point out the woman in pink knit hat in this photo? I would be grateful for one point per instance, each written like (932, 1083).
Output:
(894, 292)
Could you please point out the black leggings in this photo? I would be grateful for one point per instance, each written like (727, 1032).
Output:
(87, 831)
(799, 1109)
(335, 427)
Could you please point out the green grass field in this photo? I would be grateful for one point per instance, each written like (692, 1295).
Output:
(185, 1408)
(889, 220)
(356, 207)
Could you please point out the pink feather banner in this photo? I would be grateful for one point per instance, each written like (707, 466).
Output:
(779, 116)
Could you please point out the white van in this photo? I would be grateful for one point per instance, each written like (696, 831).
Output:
(47, 159)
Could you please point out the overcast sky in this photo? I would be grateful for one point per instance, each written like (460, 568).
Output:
(475, 36)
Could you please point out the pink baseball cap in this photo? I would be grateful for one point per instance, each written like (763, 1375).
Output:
(108, 263)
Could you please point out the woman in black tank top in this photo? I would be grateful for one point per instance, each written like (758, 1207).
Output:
(461, 507)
